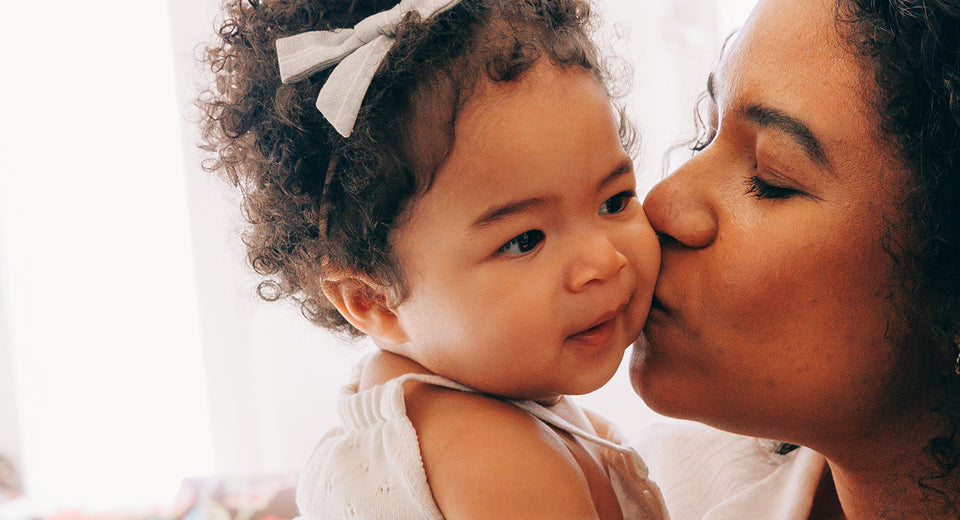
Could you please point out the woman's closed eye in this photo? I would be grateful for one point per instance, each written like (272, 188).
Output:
(617, 203)
(522, 244)
(762, 190)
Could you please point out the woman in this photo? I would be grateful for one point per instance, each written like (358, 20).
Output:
(810, 282)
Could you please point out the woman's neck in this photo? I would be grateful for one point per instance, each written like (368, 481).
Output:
(826, 504)
(890, 475)
(902, 496)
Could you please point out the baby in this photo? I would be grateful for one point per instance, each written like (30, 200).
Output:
(461, 194)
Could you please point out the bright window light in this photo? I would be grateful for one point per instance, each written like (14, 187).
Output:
(731, 14)
(96, 272)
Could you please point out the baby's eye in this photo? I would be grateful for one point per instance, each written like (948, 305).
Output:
(617, 203)
(522, 243)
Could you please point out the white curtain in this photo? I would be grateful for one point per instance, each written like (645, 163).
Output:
(133, 351)
(100, 357)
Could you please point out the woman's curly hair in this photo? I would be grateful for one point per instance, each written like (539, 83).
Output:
(912, 50)
(318, 203)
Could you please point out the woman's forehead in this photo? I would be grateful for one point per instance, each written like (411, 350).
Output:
(790, 59)
(786, 42)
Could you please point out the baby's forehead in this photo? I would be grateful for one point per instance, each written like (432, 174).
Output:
(541, 83)
(503, 115)
(548, 137)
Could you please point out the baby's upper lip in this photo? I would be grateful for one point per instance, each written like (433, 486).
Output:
(603, 318)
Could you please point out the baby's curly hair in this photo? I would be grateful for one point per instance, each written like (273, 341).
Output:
(319, 203)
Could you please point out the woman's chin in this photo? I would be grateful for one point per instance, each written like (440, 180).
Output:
(661, 387)
(644, 379)
(637, 359)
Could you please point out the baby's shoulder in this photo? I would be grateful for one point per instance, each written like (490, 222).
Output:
(476, 425)
(487, 457)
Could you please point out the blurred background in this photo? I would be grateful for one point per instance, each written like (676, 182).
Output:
(134, 352)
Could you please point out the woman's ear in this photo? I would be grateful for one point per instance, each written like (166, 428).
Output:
(366, 305)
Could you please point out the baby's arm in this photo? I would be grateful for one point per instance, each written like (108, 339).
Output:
(485, 458)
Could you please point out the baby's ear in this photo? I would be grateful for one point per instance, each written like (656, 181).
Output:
(366, 305)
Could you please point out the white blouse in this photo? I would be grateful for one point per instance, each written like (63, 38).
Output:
(708, 474)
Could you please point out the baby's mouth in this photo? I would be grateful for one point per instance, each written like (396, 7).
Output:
(593, 329)
(599, 333)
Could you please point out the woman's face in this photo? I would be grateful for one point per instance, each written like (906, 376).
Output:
(770, 312)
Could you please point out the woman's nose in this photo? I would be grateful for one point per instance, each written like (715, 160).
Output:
(596, 260)
(678, 208)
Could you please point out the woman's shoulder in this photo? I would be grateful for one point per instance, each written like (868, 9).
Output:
(689, 449)
(689, 440)
(701, 470)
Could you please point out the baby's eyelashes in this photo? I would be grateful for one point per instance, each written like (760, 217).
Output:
(617, 203)
(522, 244)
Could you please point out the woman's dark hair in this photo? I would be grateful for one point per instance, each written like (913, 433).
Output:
(318, 203)
(911, 48)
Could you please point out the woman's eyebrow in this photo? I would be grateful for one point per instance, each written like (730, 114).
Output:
(767, 117)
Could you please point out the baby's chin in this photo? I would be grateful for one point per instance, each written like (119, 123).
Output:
(573, 388)
(597, 381)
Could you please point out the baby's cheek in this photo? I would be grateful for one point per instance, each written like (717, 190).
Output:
(645, 257)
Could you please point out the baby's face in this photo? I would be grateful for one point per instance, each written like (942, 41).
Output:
(530, 262)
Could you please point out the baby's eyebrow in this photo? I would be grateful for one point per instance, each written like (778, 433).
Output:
(625, 167)
(502, 211)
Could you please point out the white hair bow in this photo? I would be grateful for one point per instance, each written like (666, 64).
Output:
(359, 52)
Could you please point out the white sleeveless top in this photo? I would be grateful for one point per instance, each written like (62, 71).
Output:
(370, 466)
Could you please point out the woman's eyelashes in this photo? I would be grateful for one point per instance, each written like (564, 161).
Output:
(522, 244)
(617, 203)
(762, 190)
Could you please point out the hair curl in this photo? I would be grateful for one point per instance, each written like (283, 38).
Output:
(912, 49)
(318, 203)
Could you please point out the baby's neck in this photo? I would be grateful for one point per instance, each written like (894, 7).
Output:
(553, 401)
(384, 365)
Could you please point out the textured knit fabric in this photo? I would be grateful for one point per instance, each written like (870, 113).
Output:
(707, 474)
(370, 467)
